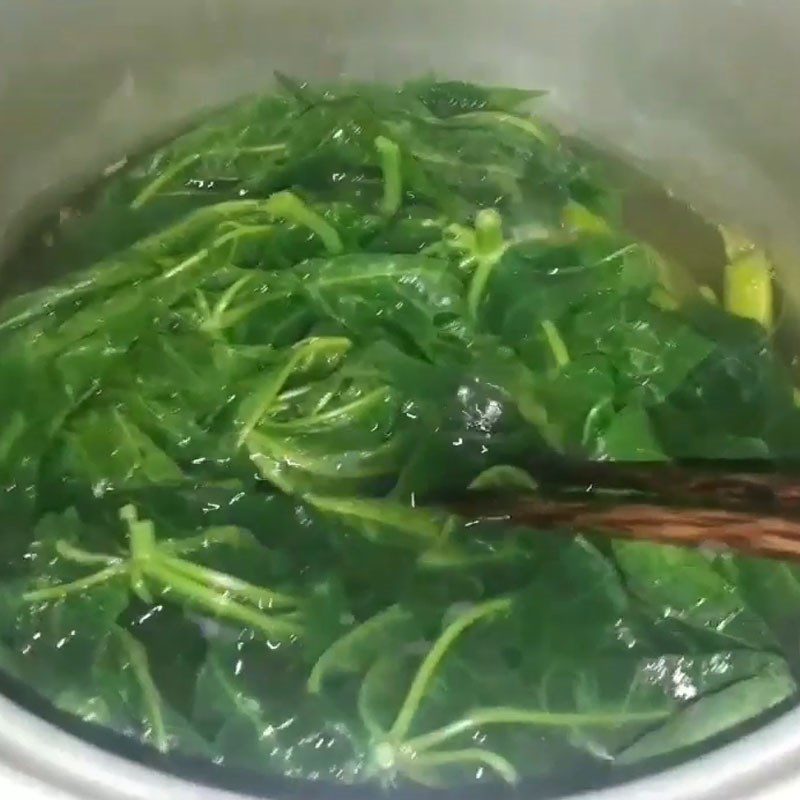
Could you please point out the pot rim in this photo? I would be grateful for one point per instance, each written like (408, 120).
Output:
(762, 765)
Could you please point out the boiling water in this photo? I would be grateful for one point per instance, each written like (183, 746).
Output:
(295, 325)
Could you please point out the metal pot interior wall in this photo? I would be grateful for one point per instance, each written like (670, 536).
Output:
(699, 95)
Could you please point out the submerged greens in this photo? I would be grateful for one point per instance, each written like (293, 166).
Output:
(268, 344)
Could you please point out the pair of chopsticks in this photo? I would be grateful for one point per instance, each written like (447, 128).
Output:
(749, 507)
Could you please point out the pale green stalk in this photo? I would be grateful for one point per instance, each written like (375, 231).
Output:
(341, 645)
(331, 416)
(471, 755)
(194, 593)
(137, 657)
(269, 393)
(261, 597)
(223, 534)
(215, 315)
(422, 679)
(80, 556)
(155, 186)
(520, 716)
(489, 248)
(557, 344)
(292, 208)
(527, 125)
(389, 153)
(80, 585)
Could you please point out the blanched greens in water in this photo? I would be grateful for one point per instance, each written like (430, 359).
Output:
(279, 335)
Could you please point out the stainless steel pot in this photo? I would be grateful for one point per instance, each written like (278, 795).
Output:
(701, 93)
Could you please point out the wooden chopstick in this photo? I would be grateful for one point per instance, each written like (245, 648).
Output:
(690, 504)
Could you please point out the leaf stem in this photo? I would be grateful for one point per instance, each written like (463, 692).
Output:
(389, 153)
(375, 623)
(221, 605)
(187, 263)
(268, 467)
(80, 556)
(214, 579)
(158, 183)
(520, 716)
(321, 419)
(223, 534)
(153, 188)
(290, 207)
(137, 657)
(471, 755)
(422, 679)
(489, 248)
(557, 344)
(63, 589)
(141, 534)
(272, 387)
(216, 315)
(524, 124)
(375, 675)
(383, 512)
(488, 232)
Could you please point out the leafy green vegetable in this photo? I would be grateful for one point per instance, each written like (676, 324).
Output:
(715, 713)
(691, 587)
(265, 345)
(152, 568)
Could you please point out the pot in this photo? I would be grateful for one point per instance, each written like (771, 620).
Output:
(698, 95)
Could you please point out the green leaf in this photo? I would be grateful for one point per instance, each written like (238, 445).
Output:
(772, 589)
(108, 450)
(56, 643)
(272, 726)
(122, 696)
(504, 477)
(450, 98)
(399, 297)
(690, 586)
(420, 525)
(630, 437)
(714, 714)
(738, 401)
